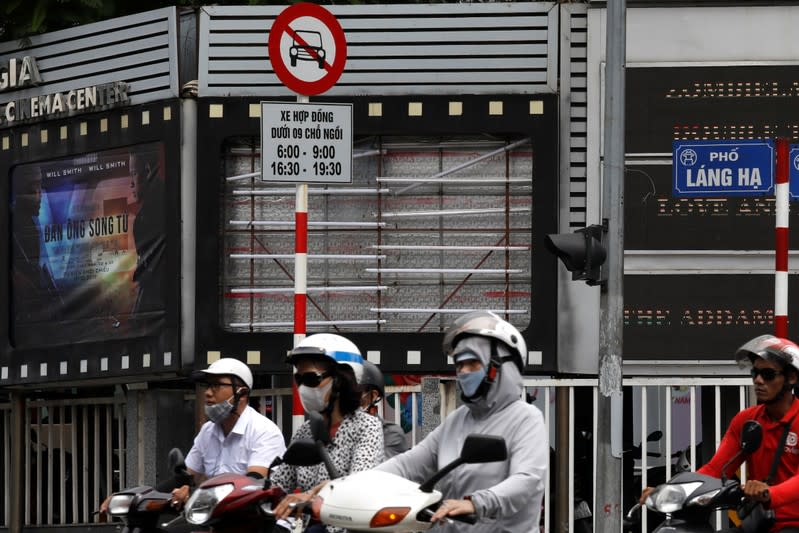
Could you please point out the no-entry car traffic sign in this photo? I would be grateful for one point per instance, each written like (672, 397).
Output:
(307, 48)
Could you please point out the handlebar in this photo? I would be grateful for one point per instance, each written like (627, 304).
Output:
(427, 513)
(630, 521)
(470, 518)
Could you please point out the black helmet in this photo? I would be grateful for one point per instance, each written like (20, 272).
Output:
(372, 378)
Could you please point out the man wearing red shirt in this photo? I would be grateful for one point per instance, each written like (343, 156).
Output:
(774, 365)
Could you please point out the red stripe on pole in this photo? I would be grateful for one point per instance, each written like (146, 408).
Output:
(783, 165)
(299, 313)
(296, 403)
(781, 249)
(301, 239)
(781, 326)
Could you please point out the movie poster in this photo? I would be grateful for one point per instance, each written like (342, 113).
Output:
(88, 247)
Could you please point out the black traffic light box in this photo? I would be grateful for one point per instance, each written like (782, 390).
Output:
(582, 252)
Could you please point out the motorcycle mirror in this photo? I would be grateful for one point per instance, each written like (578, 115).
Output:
(277, 461)
(302, 453)
(319, 429)
(176, 461)
(654, 436)
(751, 436)
(476, 449)
(484, 449)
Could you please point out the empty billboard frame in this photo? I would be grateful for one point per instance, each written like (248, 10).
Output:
(449, 200)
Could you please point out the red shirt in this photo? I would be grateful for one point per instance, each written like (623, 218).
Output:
(784, 489)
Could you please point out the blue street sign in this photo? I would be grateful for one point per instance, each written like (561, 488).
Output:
(793, 175)
(723, 168)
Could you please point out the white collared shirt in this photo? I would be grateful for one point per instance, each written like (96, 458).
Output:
(254, 441)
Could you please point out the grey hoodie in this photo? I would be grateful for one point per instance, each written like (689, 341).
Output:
(507, 495)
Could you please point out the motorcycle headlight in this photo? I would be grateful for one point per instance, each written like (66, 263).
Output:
(202, 503)
(670, 498)
(703, 499)
(119, 505)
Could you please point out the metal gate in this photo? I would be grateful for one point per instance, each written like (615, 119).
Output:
(75, 449)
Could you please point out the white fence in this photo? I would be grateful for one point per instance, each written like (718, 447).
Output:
(75, 451)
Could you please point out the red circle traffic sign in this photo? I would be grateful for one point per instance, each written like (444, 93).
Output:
(302, 41)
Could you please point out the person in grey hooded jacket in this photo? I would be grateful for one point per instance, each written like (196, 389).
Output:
(506, 496)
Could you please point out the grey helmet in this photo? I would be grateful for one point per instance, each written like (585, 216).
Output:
(372, 378)
(487, 324)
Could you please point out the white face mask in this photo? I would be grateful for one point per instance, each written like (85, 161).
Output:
(315, 398)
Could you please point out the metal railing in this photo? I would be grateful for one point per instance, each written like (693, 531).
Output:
(280, 398)
(74, 455)
(653, 405)
(75, 451)
(5, 474)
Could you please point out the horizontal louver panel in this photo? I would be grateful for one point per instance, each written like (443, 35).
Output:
(409, 49)
(140, 50)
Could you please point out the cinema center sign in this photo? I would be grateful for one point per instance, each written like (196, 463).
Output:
(18, 73)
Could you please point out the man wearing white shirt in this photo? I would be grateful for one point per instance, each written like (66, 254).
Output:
(237, 439)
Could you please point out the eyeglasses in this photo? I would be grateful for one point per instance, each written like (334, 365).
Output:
(767, 373)
(310, 379)
(216, 386)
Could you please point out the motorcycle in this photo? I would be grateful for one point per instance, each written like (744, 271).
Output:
(400, 505)
(689, 499)
(146, 509)
(242, 504)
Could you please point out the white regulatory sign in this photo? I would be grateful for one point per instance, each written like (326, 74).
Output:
(306, 142)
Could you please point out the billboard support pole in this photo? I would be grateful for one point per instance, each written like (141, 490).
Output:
(782, 192)
(609, 401)
(300, 282)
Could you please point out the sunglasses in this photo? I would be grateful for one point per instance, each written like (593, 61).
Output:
(766, 373)
(310, 379)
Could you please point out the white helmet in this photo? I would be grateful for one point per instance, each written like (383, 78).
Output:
(227, 366)
(328, 345)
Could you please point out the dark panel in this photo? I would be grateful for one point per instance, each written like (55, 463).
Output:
(395, 121)
(671, 103)
(656, 220)
(684, 317)
(81, 337)
(698, 103)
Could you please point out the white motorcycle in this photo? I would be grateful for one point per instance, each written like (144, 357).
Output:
(379, 501)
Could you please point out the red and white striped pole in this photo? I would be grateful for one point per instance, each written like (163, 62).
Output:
(782, 191)
(300, 284)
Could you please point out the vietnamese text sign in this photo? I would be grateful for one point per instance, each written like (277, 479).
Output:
(306, 142)
(723, 168)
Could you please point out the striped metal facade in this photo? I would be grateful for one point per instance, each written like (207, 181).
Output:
(497, 48)
(140, 50)
(573, 114)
